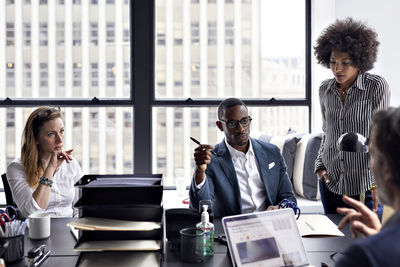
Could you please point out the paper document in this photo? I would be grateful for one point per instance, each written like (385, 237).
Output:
(317, 224)
(93, 223)
(120, 259)
(104, 182)
(122, 245)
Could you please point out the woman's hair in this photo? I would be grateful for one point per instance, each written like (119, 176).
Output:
(351, 37)
(30, 150)
(386, 138)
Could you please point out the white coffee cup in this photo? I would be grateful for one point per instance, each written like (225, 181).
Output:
(39, 225)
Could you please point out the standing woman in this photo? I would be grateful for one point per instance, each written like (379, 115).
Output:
(42, 180)
(348, 101)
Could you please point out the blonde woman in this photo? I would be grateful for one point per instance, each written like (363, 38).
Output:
(42, 180)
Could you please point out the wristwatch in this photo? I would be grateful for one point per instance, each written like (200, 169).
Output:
(46, 181)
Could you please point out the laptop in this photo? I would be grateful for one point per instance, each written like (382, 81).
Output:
(268, 238)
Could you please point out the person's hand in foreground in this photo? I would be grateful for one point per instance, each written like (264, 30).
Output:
(362, 219)
(374, 199)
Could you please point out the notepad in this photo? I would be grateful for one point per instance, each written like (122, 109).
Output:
(317, 224)
(119, 245)
(94, 223)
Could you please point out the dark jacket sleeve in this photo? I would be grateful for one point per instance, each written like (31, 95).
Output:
(285, 186)
(355, 255)
(206, 192)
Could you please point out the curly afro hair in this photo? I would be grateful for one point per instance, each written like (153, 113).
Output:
(351, 37)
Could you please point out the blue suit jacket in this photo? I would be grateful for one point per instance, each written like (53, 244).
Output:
(382, 249)
(222, 187)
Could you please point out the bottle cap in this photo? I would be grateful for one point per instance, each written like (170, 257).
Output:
(204, 215)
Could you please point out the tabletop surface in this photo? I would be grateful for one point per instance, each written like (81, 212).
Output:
(61, 244)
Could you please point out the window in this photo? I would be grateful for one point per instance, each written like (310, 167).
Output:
(77, 75)
(161, 35)
(94, 74)
(127, 119)
(94, 33)
(53, 72)
(77, 119)
(43, 34)
(188, 83)
(212, 33)
(60, 33)
(178, 33)
(127, 34)
(61, 75)
(10, 75)
(27, 34)
(27, 75)
(44, 75)
(195, 33)
(229, 33)
(110, 32)
(228, 63)
(76, 34)
(127, 73)
(110, 74)
(10, 119)
(9, 33)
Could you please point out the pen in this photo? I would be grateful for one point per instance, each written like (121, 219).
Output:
(197, 142)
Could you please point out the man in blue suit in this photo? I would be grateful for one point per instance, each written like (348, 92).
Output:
(241, 174)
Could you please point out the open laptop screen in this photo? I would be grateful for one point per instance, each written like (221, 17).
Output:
(268, 238)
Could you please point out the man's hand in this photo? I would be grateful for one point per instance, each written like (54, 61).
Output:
(272, 207)
(323, 175)
(361, 220)
(375, 199)
(202, 157)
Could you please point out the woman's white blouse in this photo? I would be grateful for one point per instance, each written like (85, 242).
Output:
(62, 194)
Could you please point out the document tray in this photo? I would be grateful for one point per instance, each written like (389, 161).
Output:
(131, 212)
(120, 189)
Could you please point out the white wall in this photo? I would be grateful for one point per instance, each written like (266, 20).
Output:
(383, 16)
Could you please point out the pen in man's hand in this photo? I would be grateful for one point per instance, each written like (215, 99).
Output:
(197, 142)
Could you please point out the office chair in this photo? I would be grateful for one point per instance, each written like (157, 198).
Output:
(7, 191)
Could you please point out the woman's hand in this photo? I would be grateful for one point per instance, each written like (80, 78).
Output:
(323, 175)
(56, 159)
(361, 220)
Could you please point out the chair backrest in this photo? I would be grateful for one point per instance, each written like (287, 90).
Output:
(7, 191)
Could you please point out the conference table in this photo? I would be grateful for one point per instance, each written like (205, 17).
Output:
(61, 243)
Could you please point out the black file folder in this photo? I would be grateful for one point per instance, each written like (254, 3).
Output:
(120, 189)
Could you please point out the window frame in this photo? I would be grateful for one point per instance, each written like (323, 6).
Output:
(142, 91)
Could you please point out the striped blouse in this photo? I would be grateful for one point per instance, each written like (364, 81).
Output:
(349, 172)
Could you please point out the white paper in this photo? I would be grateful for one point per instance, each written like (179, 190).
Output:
(119, 245)
(317, 224)
(94, 223)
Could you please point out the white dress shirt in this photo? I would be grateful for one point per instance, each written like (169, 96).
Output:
(62, 194)
(252, 190)
(251, 186)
